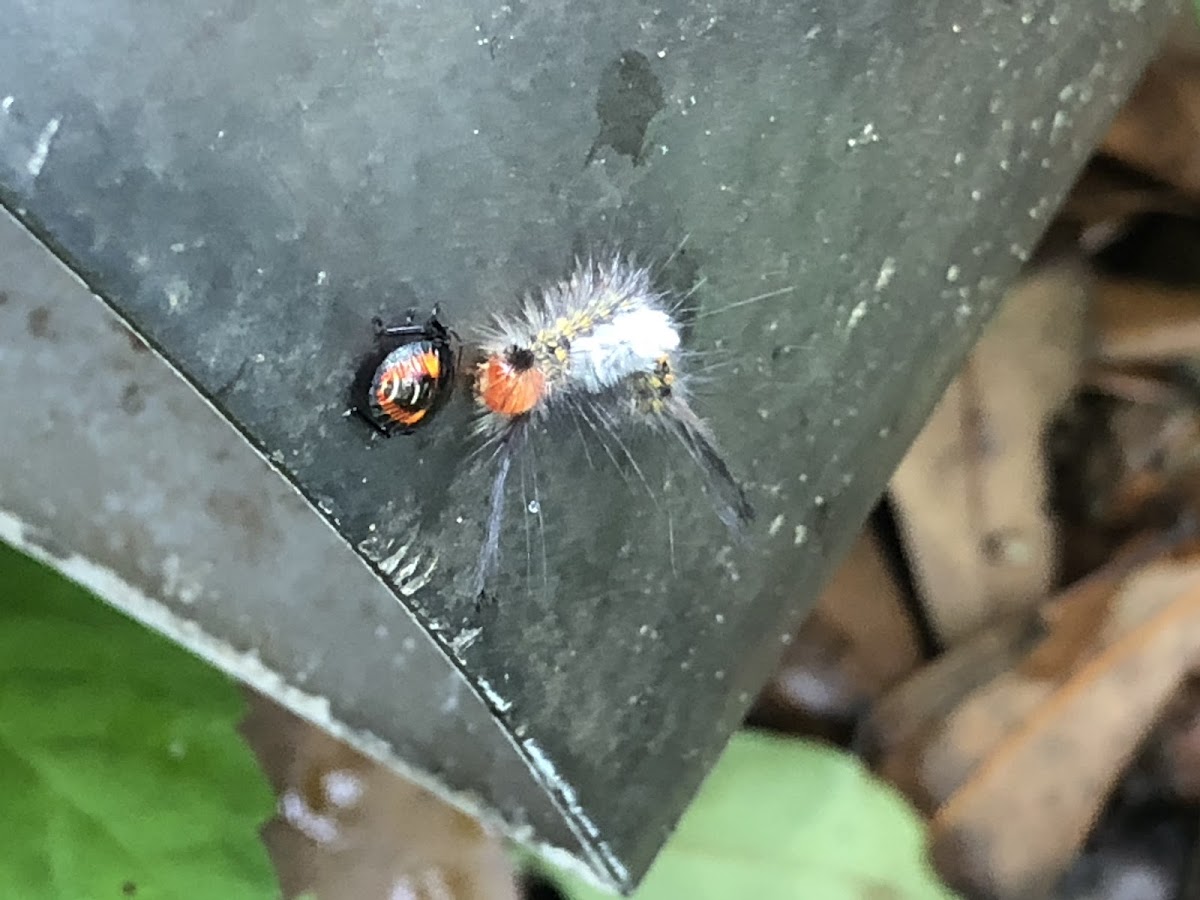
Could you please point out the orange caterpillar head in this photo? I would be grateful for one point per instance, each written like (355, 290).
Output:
(509, 383)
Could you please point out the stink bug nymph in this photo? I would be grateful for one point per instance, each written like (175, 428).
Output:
(410, 375)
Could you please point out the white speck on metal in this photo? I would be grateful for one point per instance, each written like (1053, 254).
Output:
(856, 315)
(405, 571)
(464, 639)
(886, 271)
(389, 564)
(500, 704)
(42, 150)
(550, 777)
(178, 292)
(412, 585)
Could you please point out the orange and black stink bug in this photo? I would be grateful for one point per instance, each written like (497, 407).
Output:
(401, 385)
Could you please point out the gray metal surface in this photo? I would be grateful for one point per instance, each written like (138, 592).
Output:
(248, 183)
(119, 474)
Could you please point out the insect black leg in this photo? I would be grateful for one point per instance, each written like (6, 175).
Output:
(435, 325)
(482, 598)
(408, 329)
(382, 330)
(381, 429)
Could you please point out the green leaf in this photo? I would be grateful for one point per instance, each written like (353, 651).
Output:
(784, 819)
(121, 771)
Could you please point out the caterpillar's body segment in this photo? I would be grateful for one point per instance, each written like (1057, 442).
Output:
(604, 346)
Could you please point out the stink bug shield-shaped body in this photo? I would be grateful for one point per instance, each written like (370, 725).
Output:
(408, 377)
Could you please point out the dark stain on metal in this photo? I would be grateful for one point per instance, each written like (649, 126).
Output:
(628, 98)
(44, 541)
(226, 389)
(132, 400)
(135, 342)
(238, 511)
(38, 323)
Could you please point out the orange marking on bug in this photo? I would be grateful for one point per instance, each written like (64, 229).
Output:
(410, 369)
(398, 413)
(409, 417)
(432, 364)
(507, 390)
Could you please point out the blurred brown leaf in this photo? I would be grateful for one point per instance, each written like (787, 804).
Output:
(971, 492)
(1107, 196)
(899, 726)
(1134, 383)
(349, 829)
(1144, 321)
(1043, 755)
(857, 642)
(1075, 615)
(1039, 644)
(1171, 759)
(1158, 129)
(866, 602)
(1122, 464)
